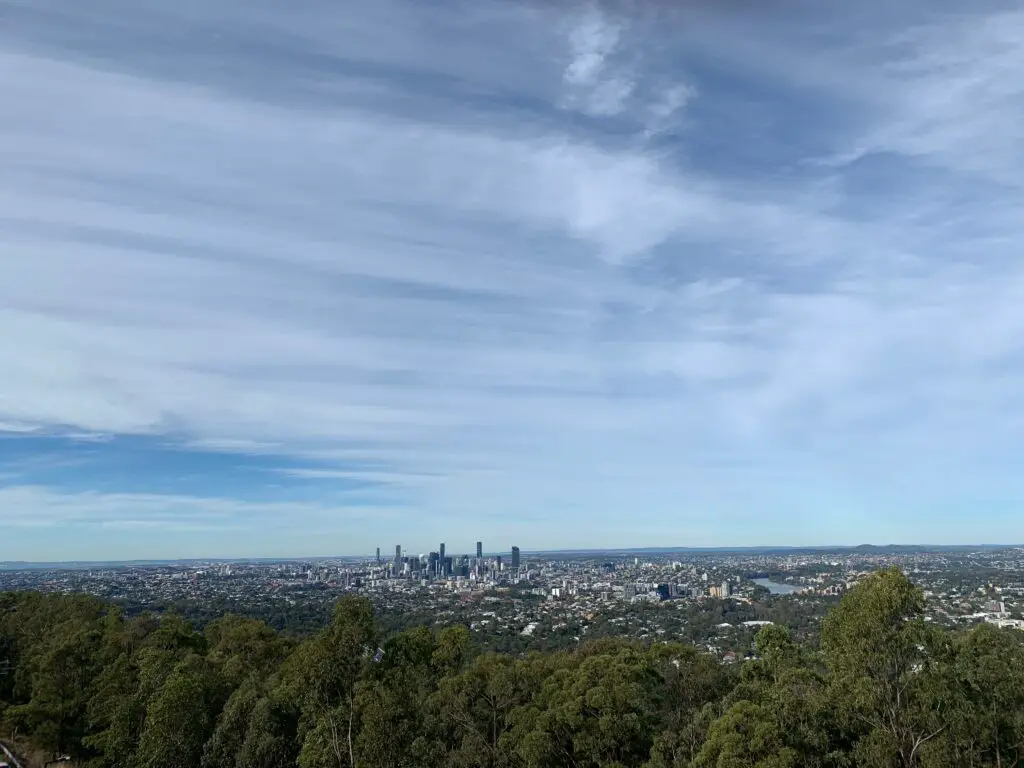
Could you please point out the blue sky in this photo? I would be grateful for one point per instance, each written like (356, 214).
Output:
(314, 279)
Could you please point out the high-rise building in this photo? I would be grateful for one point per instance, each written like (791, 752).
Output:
(378, 555)
(440, 552)
(515, 558)
(398, 557)
(479, 550)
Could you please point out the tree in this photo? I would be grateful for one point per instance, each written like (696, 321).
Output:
(60, 671)
(600, 710)
(694, 683)
(240, 647)
(778, 713)
(267, 730)
(389, 700)
(748, 735)
(120, 696)
(984, 685)
(321, 674)
(116, 713)
(180, 717)
(470, 711)
(883, 662)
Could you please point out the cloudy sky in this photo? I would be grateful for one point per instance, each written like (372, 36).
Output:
(309, 279)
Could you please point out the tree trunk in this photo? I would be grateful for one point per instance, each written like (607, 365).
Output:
(351, 714)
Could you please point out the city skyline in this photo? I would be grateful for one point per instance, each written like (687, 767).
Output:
(660, 551)
(477, 551)
(282, 281)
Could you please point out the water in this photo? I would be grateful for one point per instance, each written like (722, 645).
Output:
(775, 588)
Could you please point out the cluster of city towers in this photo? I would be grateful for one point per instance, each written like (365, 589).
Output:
(440, 565)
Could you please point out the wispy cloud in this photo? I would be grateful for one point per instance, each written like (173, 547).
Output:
(600, 87)
(608, 73)
(55, 525)
(520, 262)
(952, 99)
(17, 428)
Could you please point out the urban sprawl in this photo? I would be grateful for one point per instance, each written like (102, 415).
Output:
(517, 601)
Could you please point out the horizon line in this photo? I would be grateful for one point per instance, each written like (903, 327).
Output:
(6, 564)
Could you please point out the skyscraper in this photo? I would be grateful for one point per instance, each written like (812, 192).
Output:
(378, 555)
(515, 558)
(398, 557)
(479, 550)
(441, 560)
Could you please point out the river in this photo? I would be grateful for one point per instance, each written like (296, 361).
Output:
(775, 587)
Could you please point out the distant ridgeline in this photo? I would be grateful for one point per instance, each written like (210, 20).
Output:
(884, 689)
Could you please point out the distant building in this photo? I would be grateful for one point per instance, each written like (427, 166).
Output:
(1006, 623)
(378, 555)
(515, 558)
(479, 550)
(398, 557)
(997, 607)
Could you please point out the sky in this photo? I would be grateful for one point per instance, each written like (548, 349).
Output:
(286, 280)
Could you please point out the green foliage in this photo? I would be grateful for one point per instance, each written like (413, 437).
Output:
(885, 689)
(888, 671)
(592, 710)
(180, 716)
(59, 671)
(748, 735)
